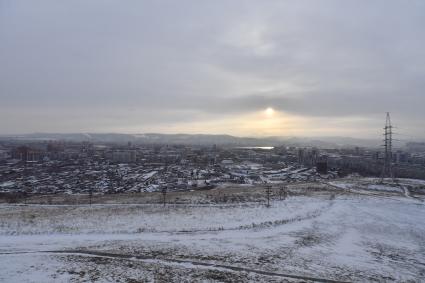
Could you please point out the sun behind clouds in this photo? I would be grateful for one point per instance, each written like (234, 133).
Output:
(269, 112)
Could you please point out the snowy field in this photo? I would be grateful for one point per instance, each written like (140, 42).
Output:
(356, 231)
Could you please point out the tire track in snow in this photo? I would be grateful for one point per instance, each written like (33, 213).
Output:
(177, 262)
(406, 191)
(192, 264)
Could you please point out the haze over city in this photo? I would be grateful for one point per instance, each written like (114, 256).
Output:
(246, 68)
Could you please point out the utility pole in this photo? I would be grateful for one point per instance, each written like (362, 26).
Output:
(282, 193)
(387, 171)
(268, 192)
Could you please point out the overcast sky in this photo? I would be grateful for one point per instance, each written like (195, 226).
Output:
(325, 67)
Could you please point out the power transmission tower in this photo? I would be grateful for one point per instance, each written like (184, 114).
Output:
(387, 171)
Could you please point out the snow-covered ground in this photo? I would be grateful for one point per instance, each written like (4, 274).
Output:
(375, 185)
(129, 219)
(341, 236)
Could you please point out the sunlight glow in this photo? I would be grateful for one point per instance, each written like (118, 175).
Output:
(269, 112)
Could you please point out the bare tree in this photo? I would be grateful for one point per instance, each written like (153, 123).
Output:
(90, 196)
(283, 193)
(164, 194)
(25, 195)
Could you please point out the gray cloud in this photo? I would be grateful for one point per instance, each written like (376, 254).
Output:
(105, 65)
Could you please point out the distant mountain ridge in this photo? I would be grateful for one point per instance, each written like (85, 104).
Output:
(199, 139)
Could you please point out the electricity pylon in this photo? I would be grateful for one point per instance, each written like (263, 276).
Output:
(387, 171)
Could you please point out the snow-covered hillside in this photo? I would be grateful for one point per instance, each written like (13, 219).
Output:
(340, 234)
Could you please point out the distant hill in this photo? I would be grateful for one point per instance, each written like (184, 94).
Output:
(200, 139)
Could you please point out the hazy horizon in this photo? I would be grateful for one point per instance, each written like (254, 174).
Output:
(176, 133)
(329, 138)
(398, 139)
(243, 68)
